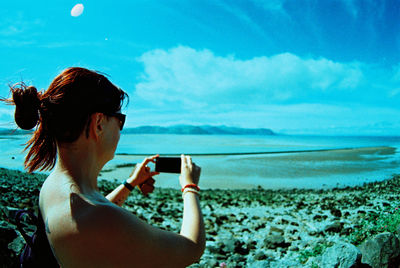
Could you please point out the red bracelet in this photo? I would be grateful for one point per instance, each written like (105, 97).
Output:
(194, 186)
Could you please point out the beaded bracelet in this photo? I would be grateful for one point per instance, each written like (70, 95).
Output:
(128, 186)
(186, 190)
(191, 186)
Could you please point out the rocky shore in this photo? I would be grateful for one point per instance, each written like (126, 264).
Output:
(252, 228)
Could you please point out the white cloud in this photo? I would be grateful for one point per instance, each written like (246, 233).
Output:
(283, 92)
(190, 77)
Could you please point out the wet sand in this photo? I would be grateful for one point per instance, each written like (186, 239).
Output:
(319, 169)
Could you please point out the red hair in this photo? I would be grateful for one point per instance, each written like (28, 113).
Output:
(62, 112)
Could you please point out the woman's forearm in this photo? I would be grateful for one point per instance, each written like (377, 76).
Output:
(193, 225)
(119, 195)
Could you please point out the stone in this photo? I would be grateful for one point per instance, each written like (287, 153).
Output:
(341, 255)
(260, 255)
(210, 263)
(275, 241)
(335, 227)
(336, 212)
(240, 248)
(319, 217)
(260, 264)
(274, 229)
(7, 235)
(383, 250)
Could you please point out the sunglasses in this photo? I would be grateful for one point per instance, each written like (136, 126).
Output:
(120, 117)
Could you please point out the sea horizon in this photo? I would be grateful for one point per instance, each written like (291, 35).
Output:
(249, 161)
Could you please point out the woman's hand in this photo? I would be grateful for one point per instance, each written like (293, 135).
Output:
(142, 176)
(190, 173)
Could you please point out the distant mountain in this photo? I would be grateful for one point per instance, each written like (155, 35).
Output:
(177, 129)
(8, 131)
(198, 130)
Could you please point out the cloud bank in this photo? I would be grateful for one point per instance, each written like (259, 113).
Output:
(189, 77)
(281, 90)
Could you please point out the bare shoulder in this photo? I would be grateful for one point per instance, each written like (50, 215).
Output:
(109, 236)
(88, 232)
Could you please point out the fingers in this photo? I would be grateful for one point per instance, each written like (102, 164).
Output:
(183, 158)
(154, 173)
(189, 160)
(147, 186)
(150, 181)
(183, 162)
(150, 159)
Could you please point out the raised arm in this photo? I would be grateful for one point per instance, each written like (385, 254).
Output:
(140, 176)
(148, 246)
(192, 224)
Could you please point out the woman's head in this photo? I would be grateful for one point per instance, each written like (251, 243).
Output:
(62, 113)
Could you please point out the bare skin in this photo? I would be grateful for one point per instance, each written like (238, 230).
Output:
(86, 229)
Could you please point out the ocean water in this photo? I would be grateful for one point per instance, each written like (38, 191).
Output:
(228, 144)
(233, 161)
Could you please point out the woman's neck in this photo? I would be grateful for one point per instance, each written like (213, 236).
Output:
(79, 162)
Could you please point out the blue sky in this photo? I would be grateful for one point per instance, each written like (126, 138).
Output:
(305, 67)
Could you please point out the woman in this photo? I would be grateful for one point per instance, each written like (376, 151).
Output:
(78, 123)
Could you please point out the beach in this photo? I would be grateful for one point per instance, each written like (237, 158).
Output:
(318, 169)
(244, 227)
(249, 161)
(268, 201)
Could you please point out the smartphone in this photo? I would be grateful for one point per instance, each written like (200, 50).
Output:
(168, 164)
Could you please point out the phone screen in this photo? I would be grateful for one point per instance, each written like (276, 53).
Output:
(168, 164)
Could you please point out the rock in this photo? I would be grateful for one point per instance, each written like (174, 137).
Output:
(260, 255)
(259, 226)
(341, 255)
(230, 244)
(17, 245)
(251, 244)
(336, 212)
(240, 248)
(275, 241)
(335, 227)
(236, 259)
(274, 229)
(157, 219)
(210, 263)
(346, 231)
(260, 264)
(319, 217)
(7, 235)
(300, 205)
(383, 250)
(220, 220)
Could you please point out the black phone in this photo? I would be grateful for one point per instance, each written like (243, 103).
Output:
(168, 164)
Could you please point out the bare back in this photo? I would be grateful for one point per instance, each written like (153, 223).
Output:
(90, 231)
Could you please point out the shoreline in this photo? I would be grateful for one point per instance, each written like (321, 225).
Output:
(269, 152)
(319, 169)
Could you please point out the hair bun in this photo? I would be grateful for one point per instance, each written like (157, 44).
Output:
(26, 100)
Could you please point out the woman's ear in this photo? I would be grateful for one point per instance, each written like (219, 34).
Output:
(97, 121)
